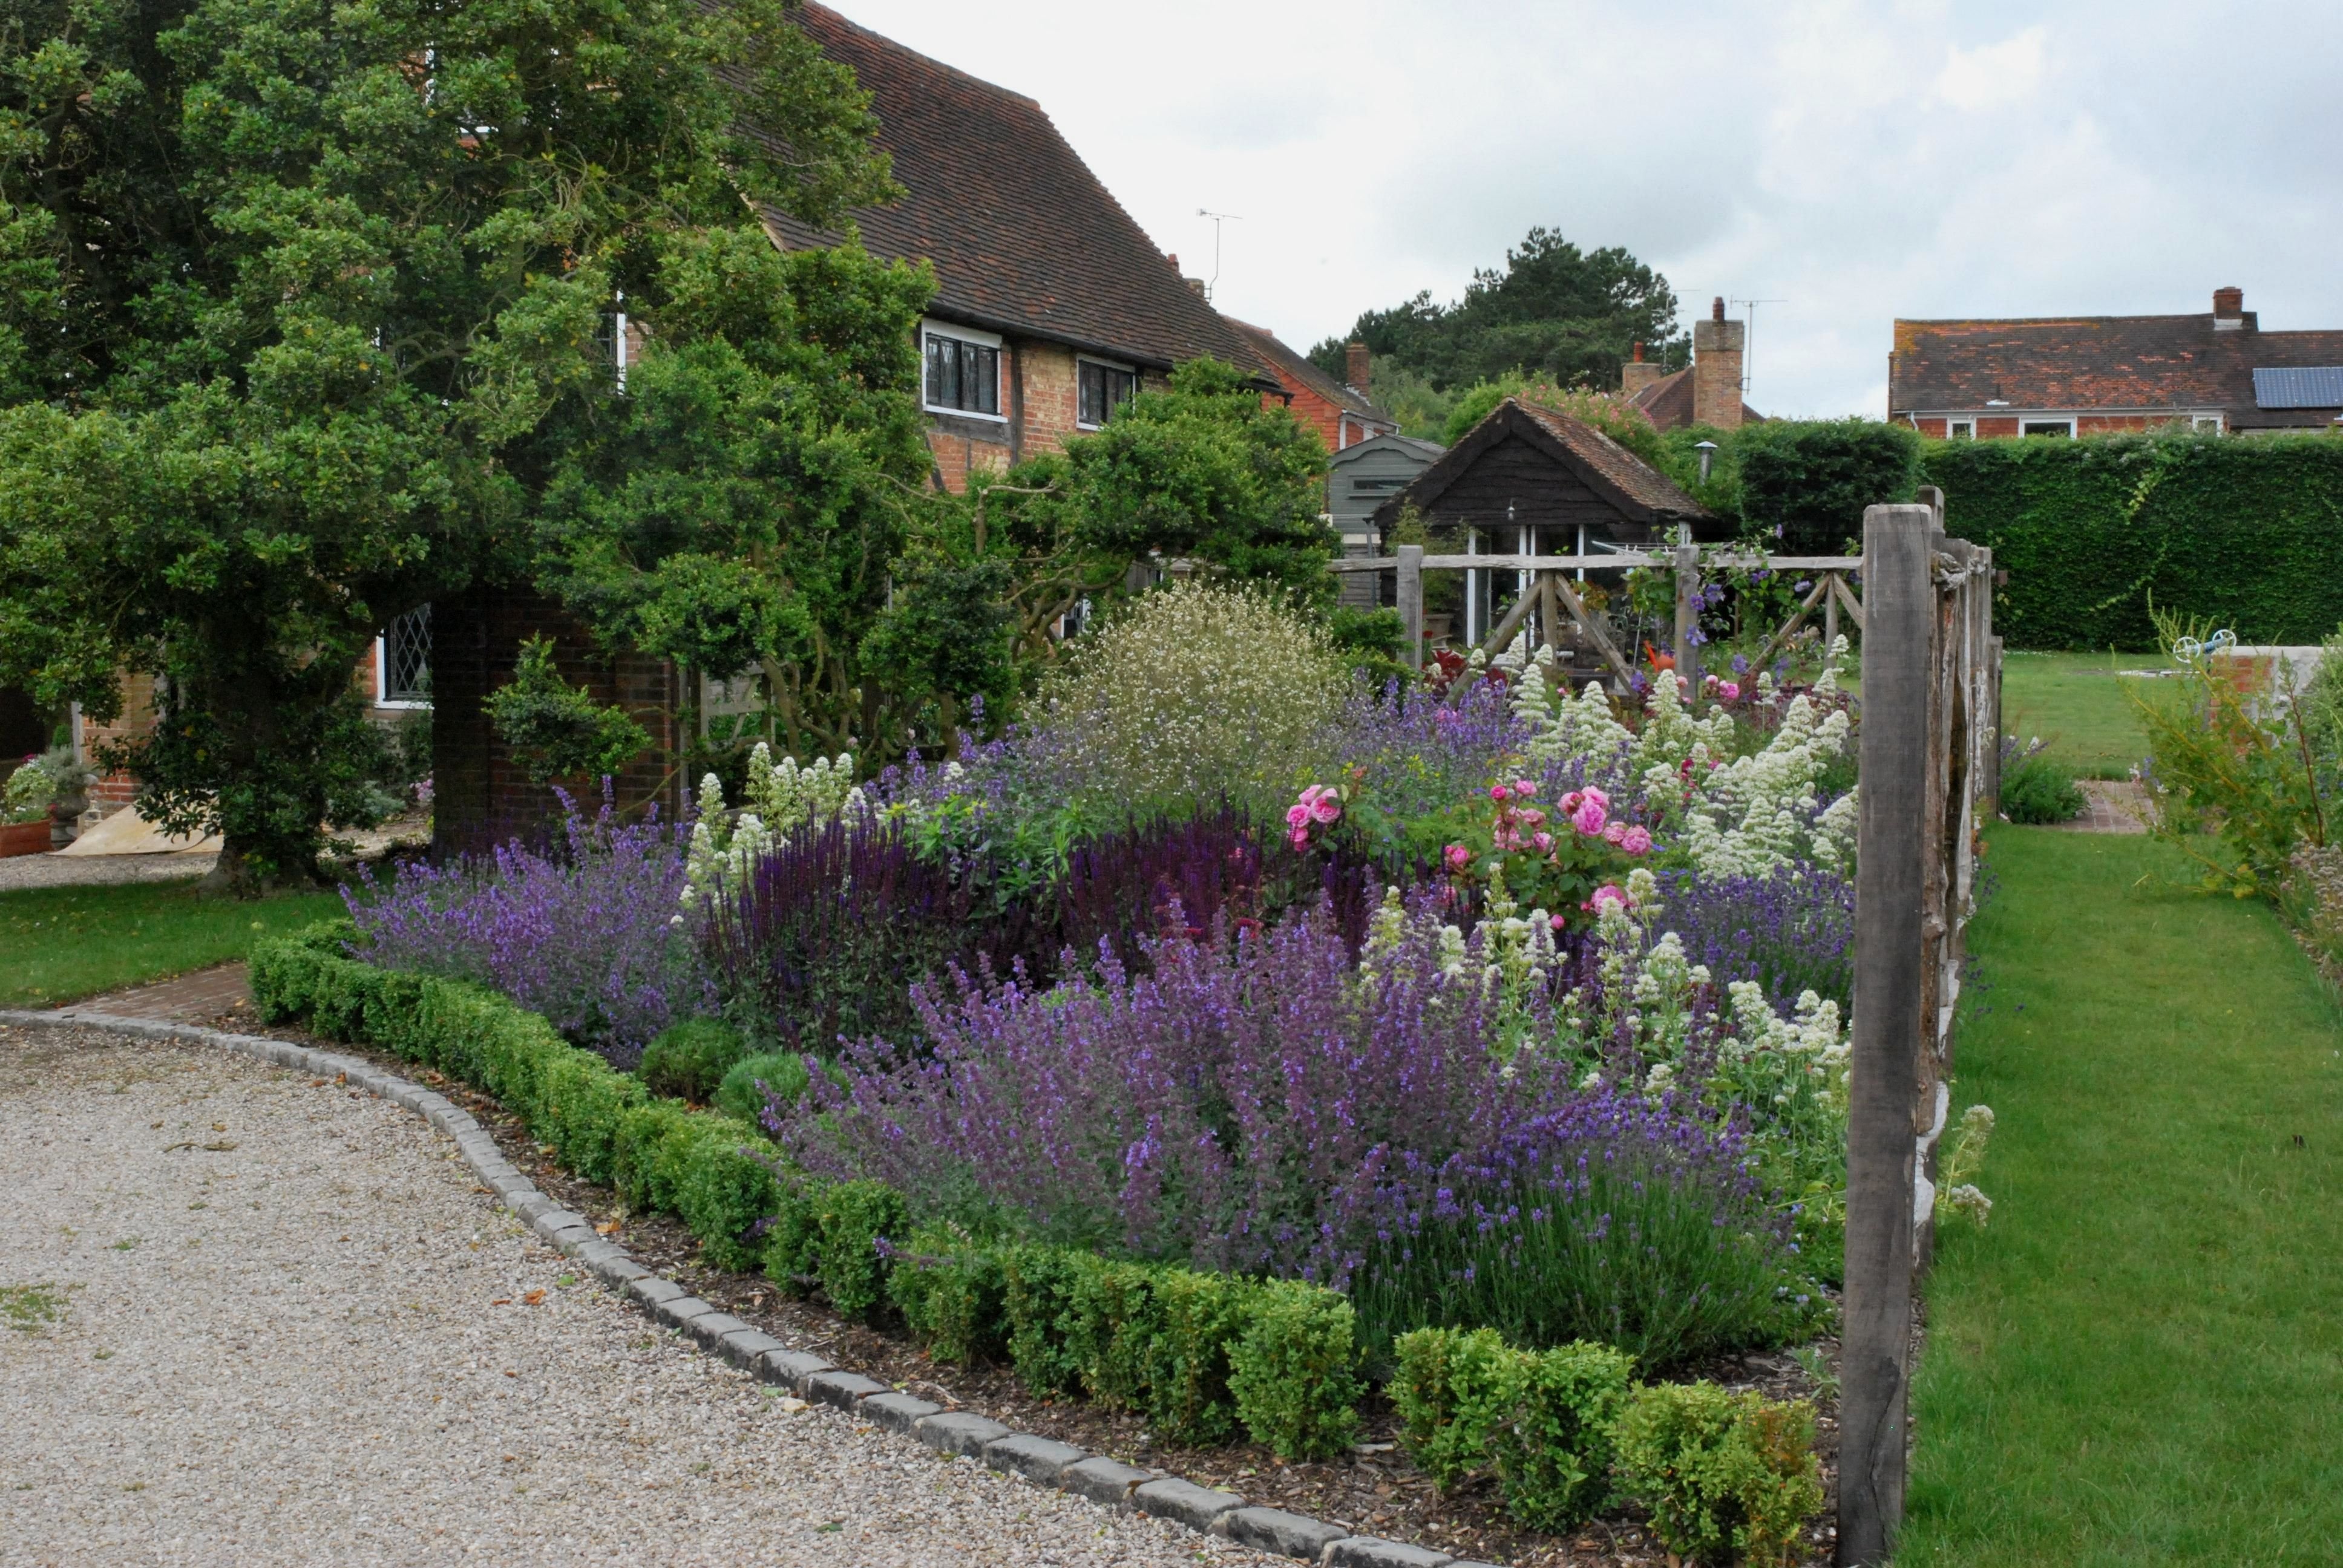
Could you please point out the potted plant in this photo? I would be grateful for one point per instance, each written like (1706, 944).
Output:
(45, 794)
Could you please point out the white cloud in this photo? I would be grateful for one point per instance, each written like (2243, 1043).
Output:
(1857, 160)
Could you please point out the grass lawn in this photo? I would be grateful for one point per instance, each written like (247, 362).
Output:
(2140, 1361)
(2077, 702)
(60, 943)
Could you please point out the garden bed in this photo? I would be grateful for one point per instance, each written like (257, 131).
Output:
(1376, 1489)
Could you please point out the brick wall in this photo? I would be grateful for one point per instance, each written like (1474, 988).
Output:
(1046, 396)
(480, 795)
(112, 792)
(1716, 355)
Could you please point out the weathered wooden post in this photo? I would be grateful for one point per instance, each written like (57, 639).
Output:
(1830, 618)
(1410, 604)
(1687, 614)
(1899, 619)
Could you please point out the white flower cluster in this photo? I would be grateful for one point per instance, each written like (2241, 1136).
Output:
(780, 799)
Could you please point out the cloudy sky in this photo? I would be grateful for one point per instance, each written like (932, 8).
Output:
(1854, 162)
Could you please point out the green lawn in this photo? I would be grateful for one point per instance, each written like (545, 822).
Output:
(2141, 1359)
(60, 943)
(2077, 702)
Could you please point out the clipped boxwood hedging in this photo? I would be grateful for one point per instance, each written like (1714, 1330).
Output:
(2244, 530)
(1203, 1355)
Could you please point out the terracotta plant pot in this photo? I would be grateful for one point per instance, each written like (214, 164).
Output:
(24, 838)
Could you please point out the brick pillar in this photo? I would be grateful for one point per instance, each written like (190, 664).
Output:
(1716, 345)
(1358, 367)
(1637, 374)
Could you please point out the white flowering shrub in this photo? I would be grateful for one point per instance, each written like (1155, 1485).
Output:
(1196, 692)
(780, 800)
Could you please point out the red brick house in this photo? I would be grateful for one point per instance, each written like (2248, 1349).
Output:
(1340, 411)
(1052, 305)
(2090, 374)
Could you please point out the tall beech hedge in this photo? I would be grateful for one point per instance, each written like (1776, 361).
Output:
(2246, 531)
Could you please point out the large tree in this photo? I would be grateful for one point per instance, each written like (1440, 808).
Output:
(302, 308)
(1555, 313)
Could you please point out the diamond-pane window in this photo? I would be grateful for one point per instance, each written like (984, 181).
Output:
(407, 657)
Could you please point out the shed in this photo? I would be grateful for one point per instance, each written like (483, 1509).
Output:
(1360, 478)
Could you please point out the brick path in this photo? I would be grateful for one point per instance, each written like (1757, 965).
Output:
(198, 998)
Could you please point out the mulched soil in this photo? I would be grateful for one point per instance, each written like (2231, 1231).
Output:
(1376, 1490)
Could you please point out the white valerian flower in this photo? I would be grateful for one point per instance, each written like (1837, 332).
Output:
(1966, 1199)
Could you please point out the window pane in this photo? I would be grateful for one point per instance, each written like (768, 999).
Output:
(937, 348)
(407, 657)
(1091, 407)
(984, 379)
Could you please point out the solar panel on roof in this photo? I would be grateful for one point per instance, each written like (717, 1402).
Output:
(2299, 387)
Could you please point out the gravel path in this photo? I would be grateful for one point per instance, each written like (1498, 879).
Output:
(291, 1329)
(21, 871)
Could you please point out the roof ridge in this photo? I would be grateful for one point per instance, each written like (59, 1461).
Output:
(943, 65)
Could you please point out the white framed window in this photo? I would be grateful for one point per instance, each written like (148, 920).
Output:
(2047, 427)
(962, 371)
(1960, 429)
(2208, 424)
(1101, 387)
(402, 661)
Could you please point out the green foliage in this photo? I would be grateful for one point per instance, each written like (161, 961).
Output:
(852, 1219)
(1201, 1317)
(1540, 1419)
(1570, 316)
(1628, 426)
(290, 345)
(690, 1060)
(41, 781)
(1036, 1284)
(953, 1295)
(2094, 533)
(557, 730)
(2234, 777)
(1727, 1477)
(2037, 787)
(743, 1091)
(1294, 1374)
(1805, 483)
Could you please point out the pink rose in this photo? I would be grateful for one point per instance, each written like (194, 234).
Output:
(1590, 816)
(1556, 921)
(1524, 787)
(1568, 802)
(1499, 793)
(1545, 842)
(1613, 833)
(1636, 840)
(1326, 809)
(1301, 838)
(1730, 691)
(1533, 818)
(1597, 796)
(1608, 893)
(1458, 857)
(1297, 816)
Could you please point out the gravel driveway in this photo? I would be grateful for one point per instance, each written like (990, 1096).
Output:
(288, 1328)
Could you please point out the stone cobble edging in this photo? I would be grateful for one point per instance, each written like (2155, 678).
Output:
(1043, 1461)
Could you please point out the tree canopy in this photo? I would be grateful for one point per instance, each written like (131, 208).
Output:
(1555, 313)
(302, 315)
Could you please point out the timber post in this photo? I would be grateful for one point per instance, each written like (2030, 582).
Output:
(1410, 604)
(1888, 1028)
(1687, 650)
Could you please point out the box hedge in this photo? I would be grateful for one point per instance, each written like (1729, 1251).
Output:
(1202, 1354)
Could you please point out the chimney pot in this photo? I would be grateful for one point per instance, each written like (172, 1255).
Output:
(1175, 261)
(2230, 301)
(1639, 353)
(1716, 309)
(1358, 366)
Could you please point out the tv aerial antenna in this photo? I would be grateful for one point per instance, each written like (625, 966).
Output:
(1749, 348)
(1218, 219)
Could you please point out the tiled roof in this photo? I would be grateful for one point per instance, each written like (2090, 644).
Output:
(1667, 402)
(1632, 476)
(2135, 363)
(1025, 238)
(1283, 363)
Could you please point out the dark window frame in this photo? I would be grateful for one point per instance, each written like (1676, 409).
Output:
(959, 373)
(1093, 409)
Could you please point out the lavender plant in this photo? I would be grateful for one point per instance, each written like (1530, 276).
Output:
(580, 931)
(1789, 929)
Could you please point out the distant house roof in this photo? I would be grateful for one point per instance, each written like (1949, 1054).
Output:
(1632, 487)
(2135, 364)
(1428, 450)
(1282, 361)
(1667, 402)
(1023, 236)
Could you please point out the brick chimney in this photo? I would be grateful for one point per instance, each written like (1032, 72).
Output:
(2229, 309)
(1358, 367)
(1636, 374)
(1716, 345)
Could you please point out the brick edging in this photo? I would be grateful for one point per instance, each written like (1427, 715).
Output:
(1045, 1461)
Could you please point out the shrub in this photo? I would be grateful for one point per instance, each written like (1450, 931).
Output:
(1614, 1218)
(1196, 694)
(2034, 787)
(1200, 1317)
(1294, 1374)
(1723, 1474)
(1470, 1403)
(583, 935)
(855, 1220)
(953, 1295)
(556, 730)
(1805, 483)
(688, 1061)
(1035, 1284)
(757, 1084)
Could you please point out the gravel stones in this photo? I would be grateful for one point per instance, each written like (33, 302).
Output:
(320, 1346)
